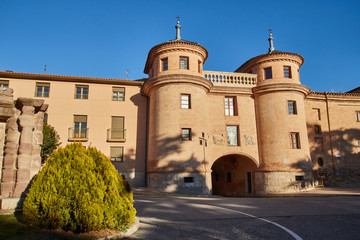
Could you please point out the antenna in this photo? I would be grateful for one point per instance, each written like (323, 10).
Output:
(45, 69)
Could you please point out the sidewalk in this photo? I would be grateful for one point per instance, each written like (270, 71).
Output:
(310, 192)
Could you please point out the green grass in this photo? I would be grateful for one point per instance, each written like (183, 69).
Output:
(13, 227)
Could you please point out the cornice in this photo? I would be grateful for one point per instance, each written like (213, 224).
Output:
(63, 78)
(156, 82)
(279, 87)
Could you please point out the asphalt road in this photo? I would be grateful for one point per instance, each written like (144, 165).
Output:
(317, 218)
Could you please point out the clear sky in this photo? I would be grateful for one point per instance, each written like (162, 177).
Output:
(104, 38)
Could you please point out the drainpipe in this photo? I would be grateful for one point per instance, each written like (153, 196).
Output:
(329, 129)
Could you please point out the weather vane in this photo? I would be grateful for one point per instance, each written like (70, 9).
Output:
(178, 18)
(270, 30)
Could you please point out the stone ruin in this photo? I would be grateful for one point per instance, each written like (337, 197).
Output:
(21, 124)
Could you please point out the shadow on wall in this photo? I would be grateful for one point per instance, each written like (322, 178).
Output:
(341, 161)
(177, 169)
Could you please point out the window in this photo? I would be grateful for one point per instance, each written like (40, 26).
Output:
(287, 72)
(164, 64)
(42, 89)
(188, 179)
(319, 144)
(185, 101)
(80, 126)
(45, 118)
(199, 66)
(81, 91)
(117, 131)
(317, 113)
(268, 73)
(320, 162)
(230, 106)
(317, 129)
(4, 84)
(118, 94)
(184, 63)
(117, 154)
(292, 107)
(186, 134)
(358, 116)
(232, 135)
(294, 140)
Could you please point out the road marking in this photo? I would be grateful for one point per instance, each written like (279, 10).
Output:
(297, 237)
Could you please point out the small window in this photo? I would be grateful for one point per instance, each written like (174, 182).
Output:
(320, 162)
(199, 66)
(317, 113)
(117, 154)
(317, 129)
(294, 140)
(287, 72)
(45, 118)
(118, 94)
(185, 101)
(188, 179)
(81, 91)
(299, 178)
(230, 106)
(292, 108)
(186, 134)
(358, 116)
(4, 84)
(42, 89)
(268, 73)
(184, 63)
(232, 135)
(164, 64)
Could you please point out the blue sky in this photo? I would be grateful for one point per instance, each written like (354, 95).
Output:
(104, 38)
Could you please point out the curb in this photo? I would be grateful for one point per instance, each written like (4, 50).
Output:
(132, 229)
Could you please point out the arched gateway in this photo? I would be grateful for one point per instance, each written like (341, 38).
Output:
(232, 175)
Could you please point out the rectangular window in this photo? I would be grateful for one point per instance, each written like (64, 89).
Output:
(294, 140)
(80, 126)
(185, 101)
(81, 91)
(317, 113)
(199, 66)
(287, 72)
(4, 84)
(117, 131)
(118, 94)
(317, 129)
(42, 89)
(117, 154)
(45, 118)
(292, 107)
(186, 134)
(319, 144)
(232, 135)
(268, 73)
(358, 116)
(184, 63)
(164, 64)
(230, 106)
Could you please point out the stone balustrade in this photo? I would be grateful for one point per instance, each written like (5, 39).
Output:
(231, 79)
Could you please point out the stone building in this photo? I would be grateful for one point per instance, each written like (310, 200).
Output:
(257, 130)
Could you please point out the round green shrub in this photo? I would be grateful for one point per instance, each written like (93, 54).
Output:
(79, 190)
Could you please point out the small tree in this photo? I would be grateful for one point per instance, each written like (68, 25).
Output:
(51, 141)
(79, 190)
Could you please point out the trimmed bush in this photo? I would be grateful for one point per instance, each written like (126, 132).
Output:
(79, 190)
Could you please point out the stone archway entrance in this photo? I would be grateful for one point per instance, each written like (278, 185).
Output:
(232, 175)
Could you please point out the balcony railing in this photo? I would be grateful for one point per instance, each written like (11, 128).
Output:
(231, 79)
(116, 135)
(78, 134)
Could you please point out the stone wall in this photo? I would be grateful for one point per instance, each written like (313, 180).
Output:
(21, 124)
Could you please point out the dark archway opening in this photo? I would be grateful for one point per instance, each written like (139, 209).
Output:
(232, 175)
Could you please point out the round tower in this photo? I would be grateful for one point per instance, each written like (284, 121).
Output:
(280, 115)
(177, 117)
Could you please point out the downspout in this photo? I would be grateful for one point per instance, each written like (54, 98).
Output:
(329, 129)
